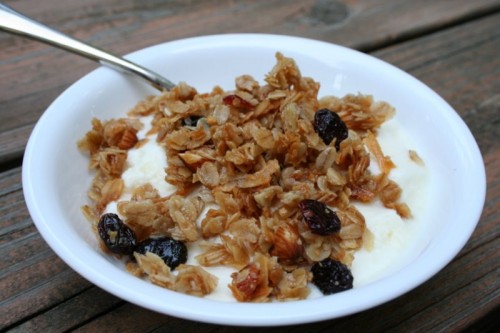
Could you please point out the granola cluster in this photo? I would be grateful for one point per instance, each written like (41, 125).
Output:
(241, 162)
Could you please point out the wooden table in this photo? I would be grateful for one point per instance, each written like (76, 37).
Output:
(452, 46)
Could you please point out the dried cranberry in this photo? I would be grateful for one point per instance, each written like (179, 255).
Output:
(331, 276)
(329, 125)
(116, 235)
(320, 219)
(173, 252)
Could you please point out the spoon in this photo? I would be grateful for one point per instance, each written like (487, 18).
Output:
(16, 23)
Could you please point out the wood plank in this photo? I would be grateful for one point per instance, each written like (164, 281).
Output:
(355, 23)
(31, 72)
(130, 318)
(15, 219)
(42, 297)
(32, 277)
(488, 227)
(29, 245)
(488, 323)
(31, 283)
(71, 313)
(465, 290)
(10, 181)
(467, 84)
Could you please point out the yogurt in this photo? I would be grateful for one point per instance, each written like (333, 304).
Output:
(393, 241)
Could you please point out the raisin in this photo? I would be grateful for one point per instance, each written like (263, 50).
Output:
(173, 252)
(329, 126)
(331, 276)
(191, 121)
(320, 219)
(116, 235)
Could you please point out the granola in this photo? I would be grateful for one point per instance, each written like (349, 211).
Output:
(241, 162)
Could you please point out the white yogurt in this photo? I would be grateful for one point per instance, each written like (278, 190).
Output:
(395, 240)
(147, 165)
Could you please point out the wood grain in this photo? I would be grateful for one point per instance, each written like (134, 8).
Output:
(72, 312)
(454, 51)
(32, 76)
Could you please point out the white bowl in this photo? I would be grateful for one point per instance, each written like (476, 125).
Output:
(56, 178)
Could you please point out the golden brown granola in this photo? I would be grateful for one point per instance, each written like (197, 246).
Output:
(252, 154)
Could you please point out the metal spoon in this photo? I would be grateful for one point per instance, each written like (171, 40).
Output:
(16, 23)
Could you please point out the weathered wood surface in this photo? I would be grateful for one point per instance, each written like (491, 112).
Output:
(452, 46)
(33, 75)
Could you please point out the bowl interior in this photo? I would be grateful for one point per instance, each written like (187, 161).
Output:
(56, 178)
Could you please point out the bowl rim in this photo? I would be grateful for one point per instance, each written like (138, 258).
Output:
(205, 310)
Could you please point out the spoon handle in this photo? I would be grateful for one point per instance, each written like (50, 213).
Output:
(16, 23)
